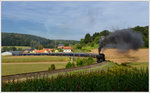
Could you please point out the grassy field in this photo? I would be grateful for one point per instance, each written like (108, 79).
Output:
(23, 64)
(114, 78)
(9, 69)
(141, 55)
(14, 59)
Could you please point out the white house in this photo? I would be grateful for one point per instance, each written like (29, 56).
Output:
(67, 49)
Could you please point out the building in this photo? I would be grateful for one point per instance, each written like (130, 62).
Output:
(26, 51)
(6, 53)
(17, 52)
(60, 46)
(67, 49)
(44, 50)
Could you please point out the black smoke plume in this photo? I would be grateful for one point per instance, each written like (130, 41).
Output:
(122, 39)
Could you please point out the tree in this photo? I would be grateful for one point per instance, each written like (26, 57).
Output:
(40, 47)
(104, 33)
(13, 48)
(95, 35)
(78, 46)
(97, 40)
(5, 49)
(73, 43)
(88, 38)
(66, 44)
(82, 42)
(144, 32)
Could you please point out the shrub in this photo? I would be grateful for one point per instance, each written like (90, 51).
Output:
(70, 65)
(52, 67)
(84, 61)
(90, 60)
(79, 62)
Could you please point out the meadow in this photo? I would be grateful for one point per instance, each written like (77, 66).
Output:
(24, 64)
(114, 78)
(20, 59)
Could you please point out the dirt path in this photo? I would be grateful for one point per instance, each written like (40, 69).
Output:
(141, 55)
(47, 73)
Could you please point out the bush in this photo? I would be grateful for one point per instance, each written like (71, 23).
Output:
(84, 61)
(90, 60)
(79, 63)
(70, 65)
(52, 67)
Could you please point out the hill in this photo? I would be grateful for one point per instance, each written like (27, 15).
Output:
(15, 39)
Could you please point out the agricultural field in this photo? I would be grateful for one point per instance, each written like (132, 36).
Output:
(141, 55)
(23, 64)
(20, 59)
(16, 68)
(115, 78)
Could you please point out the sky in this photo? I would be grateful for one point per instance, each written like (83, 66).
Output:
(71, 20)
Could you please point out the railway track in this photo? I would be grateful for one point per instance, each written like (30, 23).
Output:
(24, 76)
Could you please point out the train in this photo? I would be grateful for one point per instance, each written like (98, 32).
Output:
(100, 57)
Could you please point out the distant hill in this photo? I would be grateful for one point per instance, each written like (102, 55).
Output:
(15, 39)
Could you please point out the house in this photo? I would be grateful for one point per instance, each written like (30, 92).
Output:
(67, 49)
(60, 46)
(26, 51)
(44, 50)
(7, 53)
(50, 50)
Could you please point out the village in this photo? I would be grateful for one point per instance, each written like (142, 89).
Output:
(60, 48)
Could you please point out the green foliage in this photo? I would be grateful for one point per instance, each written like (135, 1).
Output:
(78, 46)
(12, 48)
(70, 65)
(117, 78)
(66, 44)
(144, 32)
(94, 39)
(52, 67)
(40, 47)
(88, 38)
(104, 33)
(60, 50)
(84, 61)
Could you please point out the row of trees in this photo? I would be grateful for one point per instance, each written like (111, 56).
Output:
(12, 48)
(94, 39)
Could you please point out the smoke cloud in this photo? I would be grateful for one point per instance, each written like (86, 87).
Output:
(123, 40)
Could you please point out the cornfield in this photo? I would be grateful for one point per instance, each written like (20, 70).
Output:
(117, 78)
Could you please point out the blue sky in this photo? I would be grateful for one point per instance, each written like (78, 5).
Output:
(71, 20)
